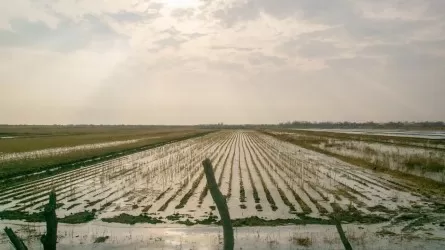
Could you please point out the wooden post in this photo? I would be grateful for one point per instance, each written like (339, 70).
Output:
(15, 240)
(221, 204)
(342, 234)
(49, 240)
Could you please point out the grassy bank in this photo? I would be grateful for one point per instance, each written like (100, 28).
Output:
(438, 144)
(30, 138)
(422, 184)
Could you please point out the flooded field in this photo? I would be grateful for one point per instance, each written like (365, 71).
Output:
(266, 181)
(425, 134)
(118, 236)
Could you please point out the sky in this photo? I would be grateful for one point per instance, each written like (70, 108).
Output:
(230, 61)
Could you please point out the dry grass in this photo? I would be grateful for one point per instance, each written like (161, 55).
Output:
(101, 239)
(428, 164)
(301, 241)
(29, 138)
(385, 139)
(424, 185)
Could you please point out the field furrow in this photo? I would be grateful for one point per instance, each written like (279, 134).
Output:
(261, 177)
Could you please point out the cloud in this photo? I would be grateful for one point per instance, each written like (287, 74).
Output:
(241, 49)
(125, 16)
(315, 10)
(258, 58)
(183, 13)
(415, 47)
(67, 36)
(172, 31)
(194, 35)
(310, 49)
(357, 63)
(270, 60)
(347, 14)
(225, 66)
(417, 56)
(417, 62)
(386, 30)
(236, 13)
(154, 6)
(170, 42)
(176, 38)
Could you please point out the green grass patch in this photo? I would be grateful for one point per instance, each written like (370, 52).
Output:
(212, 219)
(131, 219)
(176, 216)
(406, 217)
(354, 215)
(380, 208)
(425, 164)
(418, 223)
(78, 218)
(187, 222)
(257, 221)
(20, 215)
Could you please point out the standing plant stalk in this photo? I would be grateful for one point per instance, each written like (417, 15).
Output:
(221, 204)
(49, 240)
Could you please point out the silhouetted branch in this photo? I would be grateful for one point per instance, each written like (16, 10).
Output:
(15, 240)
(221, 204)
(342, 234)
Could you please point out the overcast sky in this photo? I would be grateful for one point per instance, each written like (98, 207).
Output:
(231, 61)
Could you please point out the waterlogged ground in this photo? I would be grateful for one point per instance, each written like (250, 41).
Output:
(99, 235)
(266, 182)
(421, 158)
(401, 133)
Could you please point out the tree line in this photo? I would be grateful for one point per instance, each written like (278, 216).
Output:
(426, 125)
